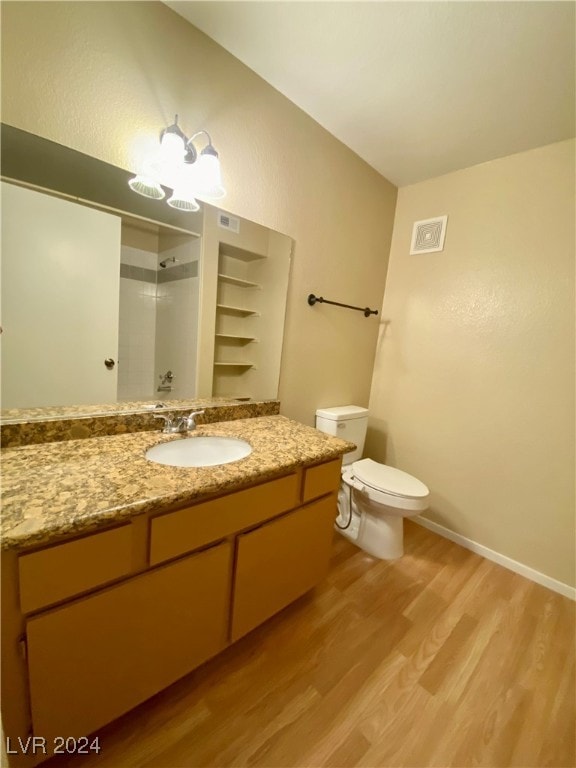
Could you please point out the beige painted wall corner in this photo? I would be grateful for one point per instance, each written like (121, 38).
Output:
(473, 386)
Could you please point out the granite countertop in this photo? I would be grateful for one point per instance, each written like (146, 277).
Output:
(53, 491)
(49, 425)
(123, 407)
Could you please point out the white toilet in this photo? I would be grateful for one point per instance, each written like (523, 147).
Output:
(374, 499)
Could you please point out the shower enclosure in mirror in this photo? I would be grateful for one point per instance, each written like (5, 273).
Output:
(106, 298)
(88, 313)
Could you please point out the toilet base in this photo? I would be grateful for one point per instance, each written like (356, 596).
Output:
(379, 534)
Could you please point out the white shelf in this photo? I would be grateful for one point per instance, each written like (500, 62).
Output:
(237, 281)
(241, 398)
(236, 310)
(239, 253)
(224, 364)
(235, 337)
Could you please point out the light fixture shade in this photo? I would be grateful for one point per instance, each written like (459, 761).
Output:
(183, 199)
(176, 164)
(184, 195)
(208, 176)
(172, 148)
(146, 186)
(172, 145)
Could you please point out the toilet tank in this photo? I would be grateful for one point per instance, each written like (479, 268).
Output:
(348, 422)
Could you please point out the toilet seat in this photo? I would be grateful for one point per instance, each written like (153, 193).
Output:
(393, 481)
(401, 493)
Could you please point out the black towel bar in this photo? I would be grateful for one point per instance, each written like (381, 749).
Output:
(367, 312)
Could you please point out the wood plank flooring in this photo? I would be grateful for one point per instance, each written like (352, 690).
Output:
(440, 659)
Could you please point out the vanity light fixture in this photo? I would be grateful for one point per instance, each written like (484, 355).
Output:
(178, 164)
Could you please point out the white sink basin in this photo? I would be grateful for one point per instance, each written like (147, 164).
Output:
(199, 451)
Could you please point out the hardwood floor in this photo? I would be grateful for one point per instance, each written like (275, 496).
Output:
(440, 659)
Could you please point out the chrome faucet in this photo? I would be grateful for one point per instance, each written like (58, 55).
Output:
(183, 424)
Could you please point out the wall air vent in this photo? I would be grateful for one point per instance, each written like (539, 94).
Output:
(231, 223)
(428, 235)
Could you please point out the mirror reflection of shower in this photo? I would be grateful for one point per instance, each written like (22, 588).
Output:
(166, 380)
(165, 262)
(159, 290)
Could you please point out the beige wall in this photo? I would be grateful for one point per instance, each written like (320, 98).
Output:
(103, 78)
(473, 388)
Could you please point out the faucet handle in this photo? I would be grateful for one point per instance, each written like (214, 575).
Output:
(167, 421)
(191, 420)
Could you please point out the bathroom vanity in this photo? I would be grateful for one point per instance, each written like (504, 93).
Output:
(120, 576)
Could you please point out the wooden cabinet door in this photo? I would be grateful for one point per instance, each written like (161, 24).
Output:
(53, 574)
(98, 657)
(179, 532)
(280, 561)
(322, 479)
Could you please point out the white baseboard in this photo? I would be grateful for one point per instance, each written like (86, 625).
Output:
(496, 557)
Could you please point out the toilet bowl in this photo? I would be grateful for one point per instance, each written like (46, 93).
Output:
(374, 498)
(373, 501)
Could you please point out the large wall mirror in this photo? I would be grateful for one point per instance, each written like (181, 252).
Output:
(108, 297)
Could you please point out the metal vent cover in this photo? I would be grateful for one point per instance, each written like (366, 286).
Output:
(428, 235)
(228, 222)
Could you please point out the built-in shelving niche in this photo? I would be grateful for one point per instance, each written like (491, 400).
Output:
(249, 269)
(238, 318)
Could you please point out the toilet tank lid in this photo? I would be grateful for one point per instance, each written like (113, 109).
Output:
(342, 412)
(384, 478)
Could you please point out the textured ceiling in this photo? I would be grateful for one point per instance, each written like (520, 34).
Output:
(417, 89)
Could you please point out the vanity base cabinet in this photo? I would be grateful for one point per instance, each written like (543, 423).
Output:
(279, 562)
(94, 626)
(95, 659)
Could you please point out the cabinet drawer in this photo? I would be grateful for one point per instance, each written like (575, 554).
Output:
(321, 479)
(62, 571)
(179, 532)
(93, 660)
(279, 562)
